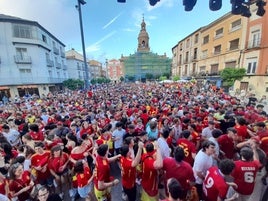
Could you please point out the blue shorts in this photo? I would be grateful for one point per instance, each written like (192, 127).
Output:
(84, 191)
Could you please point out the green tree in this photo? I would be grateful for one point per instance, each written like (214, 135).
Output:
(149, 76)
(230, 75)
(176, 78)
(162, 78)
(122, 79)
(167, 75)
(73, 84)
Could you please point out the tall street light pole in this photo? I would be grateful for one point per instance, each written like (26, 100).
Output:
(79, 2)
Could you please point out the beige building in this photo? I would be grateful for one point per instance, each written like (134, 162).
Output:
(255, 54)
(210, 49)
(95, 68)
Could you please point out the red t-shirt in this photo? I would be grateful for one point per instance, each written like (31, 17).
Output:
(263, 135)
(182, 171)
(40, 160)
(82, 178)
(17, 184)
(128, 173)
(188, 148)
(214, 185)
(102, 171)
(57, 162)
(37, 136)
(149, 180)
(244, 175)
(227, 146)
(242, 132)
(2, 186)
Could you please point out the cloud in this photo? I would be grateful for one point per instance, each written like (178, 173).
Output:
(161, 3)
(96, 46)
(129, 30)
(55, 16)
(112, 21)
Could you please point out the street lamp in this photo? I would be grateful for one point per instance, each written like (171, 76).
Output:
(79, 2)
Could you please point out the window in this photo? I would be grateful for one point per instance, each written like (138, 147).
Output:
(256, 39)
(22, 31)
(187, 57)
(188, 43)
(194, 68)
(44, 38)
(219, 33)
(230, 64)
(217, 49)
(206, 39)
(236, 25)
(234, 44)
(252, 67)
(21, 53)
(50, 73)
(181, 47)
(204, 54)
(214, 69)
(202, 69)
(180, 59)
(196, 38)
(195, 53)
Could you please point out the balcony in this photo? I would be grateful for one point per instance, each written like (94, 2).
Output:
(56, 51)
(50, 63)
(216, 52)
(62, 54)
(22, 59)
(58, 65)
(254, 43)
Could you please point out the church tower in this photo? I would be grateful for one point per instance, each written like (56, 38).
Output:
(143, 39)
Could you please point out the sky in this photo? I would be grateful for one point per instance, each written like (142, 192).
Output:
(110, 28)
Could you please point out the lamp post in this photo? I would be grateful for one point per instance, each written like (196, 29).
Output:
(79, 2)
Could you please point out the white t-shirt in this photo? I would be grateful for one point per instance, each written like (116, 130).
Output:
(118, 134)
(202, 163)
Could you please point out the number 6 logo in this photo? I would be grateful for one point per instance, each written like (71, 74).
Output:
(249, 177)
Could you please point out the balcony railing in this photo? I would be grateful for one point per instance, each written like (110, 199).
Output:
(50, 63)
(22, 59)
(58, 65)
(254, 43)
(56, 51)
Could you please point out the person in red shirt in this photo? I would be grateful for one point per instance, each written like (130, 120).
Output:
(84, 179)
(86, 128)
(187, 146)
(102, 181)
(215, 187)
(180, 170)
(262, 133)
(3, 186)
(39, 162)
(20, 184)
(151, 163)
(227, 143)
(128, 170)
(245, 171)
(36, 134)
(242, 129)
(57, 165)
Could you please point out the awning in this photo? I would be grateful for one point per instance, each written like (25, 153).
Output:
(27, 86)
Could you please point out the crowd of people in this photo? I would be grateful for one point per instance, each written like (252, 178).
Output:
(178, 141)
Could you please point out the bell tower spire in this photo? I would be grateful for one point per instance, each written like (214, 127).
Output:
(143, 38)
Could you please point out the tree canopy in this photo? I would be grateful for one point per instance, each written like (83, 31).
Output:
(230, 75)
(73, 84)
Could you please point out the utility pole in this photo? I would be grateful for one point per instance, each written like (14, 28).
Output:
(79, 2)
